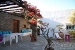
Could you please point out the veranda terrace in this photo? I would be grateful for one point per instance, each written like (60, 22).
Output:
(40, 44)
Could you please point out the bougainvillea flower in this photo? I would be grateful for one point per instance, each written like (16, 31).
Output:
(31, 7)
(33, 21)
(38, 10)
(32, 13)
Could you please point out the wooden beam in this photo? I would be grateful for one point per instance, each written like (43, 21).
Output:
(15, 2)
(3, 1)
(19, 3)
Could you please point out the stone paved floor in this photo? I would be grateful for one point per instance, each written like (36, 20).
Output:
(62, 45)
(25, 44)
(40, 44)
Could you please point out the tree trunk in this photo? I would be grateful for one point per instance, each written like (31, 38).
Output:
(48, 48)
(34, 32)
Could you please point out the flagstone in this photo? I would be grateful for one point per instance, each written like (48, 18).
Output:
(40, 44)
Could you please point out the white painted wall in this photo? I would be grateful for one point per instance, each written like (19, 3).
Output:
(56, 18)
(52, 24)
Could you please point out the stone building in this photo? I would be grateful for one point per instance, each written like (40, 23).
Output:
(11, 22)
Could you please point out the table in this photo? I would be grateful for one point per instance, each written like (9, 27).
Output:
(16, 36)
(10, 36)
(23, 34)
(20, 34)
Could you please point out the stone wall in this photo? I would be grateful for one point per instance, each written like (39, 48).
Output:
(6, 21)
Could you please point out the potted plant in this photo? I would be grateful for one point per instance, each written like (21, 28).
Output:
(72, 33)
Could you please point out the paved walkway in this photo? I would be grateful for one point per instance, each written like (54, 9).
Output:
(40, 44)
(64, 45)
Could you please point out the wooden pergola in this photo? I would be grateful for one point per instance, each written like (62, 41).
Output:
(18, 7)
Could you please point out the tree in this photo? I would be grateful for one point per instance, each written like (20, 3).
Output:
(45, 32)
(72, 17)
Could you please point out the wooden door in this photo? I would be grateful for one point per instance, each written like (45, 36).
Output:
(15, 26)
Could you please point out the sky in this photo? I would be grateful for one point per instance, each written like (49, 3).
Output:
(46, 6)
(50, 5)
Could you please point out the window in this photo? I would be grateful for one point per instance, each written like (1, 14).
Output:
(70, 27)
